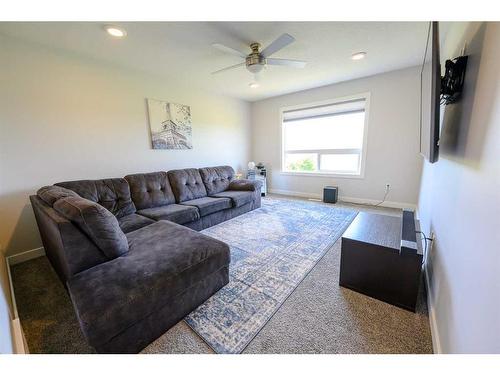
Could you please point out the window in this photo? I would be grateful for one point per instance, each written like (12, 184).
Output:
(325, 138)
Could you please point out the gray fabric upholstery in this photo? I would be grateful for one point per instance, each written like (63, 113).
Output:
(219, 217)
(139, 335)
(186, 184)
(208, 205)
(177, 213)
(67, 247)
(245, 185)
(97, 222)
(159, 271)
(111, 193)
(239, 198)
(216, 179)
(133, 222)
(150, 189)
(50, 194)
(71, 251)
(164, 260)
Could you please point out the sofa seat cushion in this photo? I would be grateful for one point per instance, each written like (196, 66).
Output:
(96, 222)
(209, 205)
(239, 198)
(133, 222)
(164, 260)
(177, 213)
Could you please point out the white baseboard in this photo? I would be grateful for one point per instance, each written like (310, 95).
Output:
(25, 256)
(389, 204)
(17, 335)
(20, 346)
(295, 193)
(436, 343)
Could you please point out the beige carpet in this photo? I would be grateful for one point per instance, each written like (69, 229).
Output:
(318, 317)
(321, 317)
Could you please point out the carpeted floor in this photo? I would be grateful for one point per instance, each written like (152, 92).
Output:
(318, 317)
(272, 250)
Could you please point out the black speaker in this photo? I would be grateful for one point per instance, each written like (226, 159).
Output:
(330, 194)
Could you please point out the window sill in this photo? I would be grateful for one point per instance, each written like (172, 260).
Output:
(319, 174)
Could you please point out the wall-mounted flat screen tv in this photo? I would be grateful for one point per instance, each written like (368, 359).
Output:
(430, 80)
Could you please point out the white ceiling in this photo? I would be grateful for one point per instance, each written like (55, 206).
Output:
(183, 51)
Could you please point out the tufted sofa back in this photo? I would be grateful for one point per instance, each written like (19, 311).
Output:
(150, 189)
(216, 179)
(186, 184)
(111, 193)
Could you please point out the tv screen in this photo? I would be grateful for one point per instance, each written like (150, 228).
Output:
(430, 81)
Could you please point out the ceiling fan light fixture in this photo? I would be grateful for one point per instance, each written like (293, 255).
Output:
(255, 68)
(115, 31)
(358, 56)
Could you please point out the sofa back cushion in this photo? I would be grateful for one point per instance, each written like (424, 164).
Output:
(111, 193)
(51, 194)
(186, 184)
(216, 179)
(100, 225)
(150, 189)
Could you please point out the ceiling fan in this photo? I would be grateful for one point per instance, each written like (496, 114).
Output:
(256, 60)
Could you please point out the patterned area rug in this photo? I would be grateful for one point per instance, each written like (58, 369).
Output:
(272, 250)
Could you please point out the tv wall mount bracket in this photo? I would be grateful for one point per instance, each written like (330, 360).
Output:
(453, 80)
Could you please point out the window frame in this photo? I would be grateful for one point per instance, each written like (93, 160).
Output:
(363, 153)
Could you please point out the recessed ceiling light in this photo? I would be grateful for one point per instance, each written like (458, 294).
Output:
(253, 85)
(358, 55)
(115, 31)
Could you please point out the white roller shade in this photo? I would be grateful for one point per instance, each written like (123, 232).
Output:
(350, 106)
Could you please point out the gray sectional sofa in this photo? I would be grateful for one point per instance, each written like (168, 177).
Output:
(128, 250)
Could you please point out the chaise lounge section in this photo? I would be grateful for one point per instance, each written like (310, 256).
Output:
(129, 252)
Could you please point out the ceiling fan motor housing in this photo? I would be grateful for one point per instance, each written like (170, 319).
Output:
(254, 61)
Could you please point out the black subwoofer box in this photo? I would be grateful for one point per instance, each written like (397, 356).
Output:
(330, 194)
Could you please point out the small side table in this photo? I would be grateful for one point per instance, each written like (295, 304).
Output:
(263, 190)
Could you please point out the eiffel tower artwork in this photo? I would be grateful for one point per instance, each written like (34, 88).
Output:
(170, 125)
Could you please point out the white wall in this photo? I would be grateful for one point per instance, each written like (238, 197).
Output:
(393, 138)
(64, 117)
(460, 203)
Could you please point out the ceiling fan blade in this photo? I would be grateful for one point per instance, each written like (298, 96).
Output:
(230, 50)
(278, 44)
(229, 68)
(287, 62)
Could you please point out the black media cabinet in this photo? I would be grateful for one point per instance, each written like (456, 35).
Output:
(380, 258)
